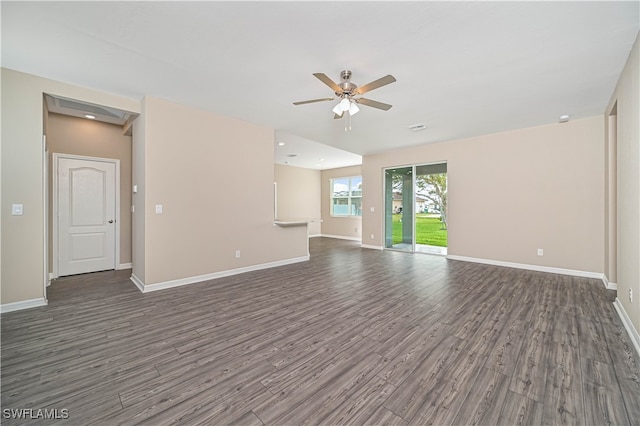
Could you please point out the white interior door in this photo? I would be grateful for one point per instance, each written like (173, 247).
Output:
(86, 191)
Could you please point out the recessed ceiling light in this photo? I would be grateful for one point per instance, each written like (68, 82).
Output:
(90, 117)
(321, 159)
(281, 143)
(564, 118)
(417, 127)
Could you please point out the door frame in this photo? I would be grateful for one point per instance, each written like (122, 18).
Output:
(55, 157)
(384, 207)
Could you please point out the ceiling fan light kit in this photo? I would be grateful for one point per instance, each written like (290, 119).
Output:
(348, 92)
(353, 109)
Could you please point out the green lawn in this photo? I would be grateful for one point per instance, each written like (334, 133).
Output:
(428, 230)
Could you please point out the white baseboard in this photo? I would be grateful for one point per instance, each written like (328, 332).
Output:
(341, 237)
(608, 285)
(146, 288)
(628, 325)
(23, 304)
(368, 246)
(315, 235)
(552, 270)
(137, 282)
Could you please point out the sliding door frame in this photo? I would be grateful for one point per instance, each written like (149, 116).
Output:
(413, 205)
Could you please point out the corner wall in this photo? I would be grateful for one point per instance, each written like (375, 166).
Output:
(298, 195)
(626, 98)
(138, 202)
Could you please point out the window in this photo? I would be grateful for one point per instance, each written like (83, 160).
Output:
(346, 196)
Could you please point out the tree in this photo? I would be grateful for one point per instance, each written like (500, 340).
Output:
(434, 187)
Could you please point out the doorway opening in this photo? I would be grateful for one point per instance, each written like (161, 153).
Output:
(416, 208)
(79, 131)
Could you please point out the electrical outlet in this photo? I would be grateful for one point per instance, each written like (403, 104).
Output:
(237, 254)
(158, 208)
(630, 295)
(540, 252)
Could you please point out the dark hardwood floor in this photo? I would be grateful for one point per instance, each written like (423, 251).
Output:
(354, 336)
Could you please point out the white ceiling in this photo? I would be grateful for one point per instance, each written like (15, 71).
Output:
(462, 68)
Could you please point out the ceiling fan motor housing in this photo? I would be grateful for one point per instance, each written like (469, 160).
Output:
(348, 88)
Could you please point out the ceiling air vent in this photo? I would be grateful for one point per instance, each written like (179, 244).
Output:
(417, 127)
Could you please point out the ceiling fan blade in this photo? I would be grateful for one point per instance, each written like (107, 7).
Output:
(387, 79)
(312, 101)
(374, 104)
(337, 117)
(326, 80)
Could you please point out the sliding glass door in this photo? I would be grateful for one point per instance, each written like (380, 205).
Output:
(431, 208)
(416, 208)
(399, 190)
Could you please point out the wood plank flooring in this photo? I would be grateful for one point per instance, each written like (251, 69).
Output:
(354, 336)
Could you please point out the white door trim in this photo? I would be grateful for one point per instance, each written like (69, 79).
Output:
(45, 216)
(116, 162)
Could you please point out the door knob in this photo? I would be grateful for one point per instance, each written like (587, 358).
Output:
(111, 221)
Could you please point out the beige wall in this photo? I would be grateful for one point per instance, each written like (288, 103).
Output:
(347, 227)
(514, 192)
(214, 177)
(626, 98)
(78, 136)
(23, 237)
(299, 195)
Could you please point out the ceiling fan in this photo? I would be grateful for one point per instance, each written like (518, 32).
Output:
(347, 92)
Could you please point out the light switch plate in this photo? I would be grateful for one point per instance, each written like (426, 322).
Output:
(158, 208)
(17, 209)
